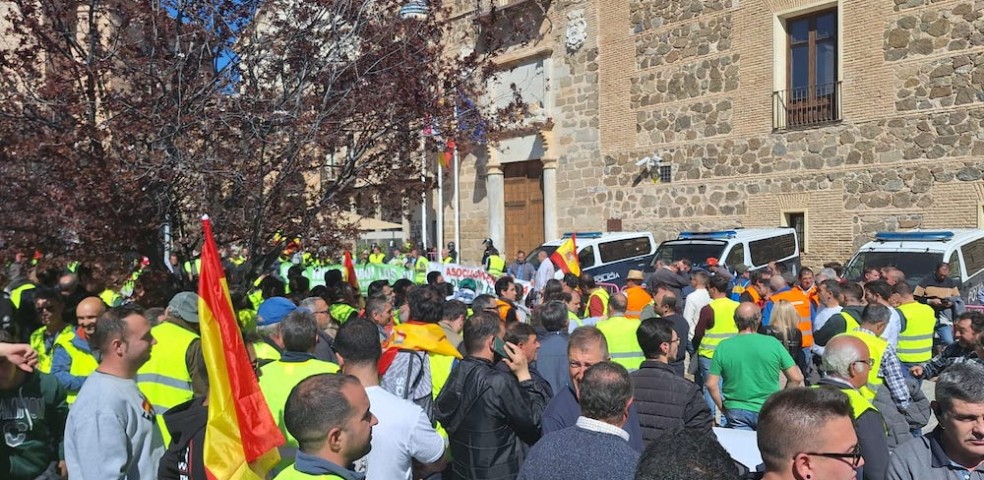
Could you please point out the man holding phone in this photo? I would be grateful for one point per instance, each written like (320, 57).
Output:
(490, 414)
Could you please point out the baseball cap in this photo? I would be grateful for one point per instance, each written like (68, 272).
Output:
(273, 310)
(184, 305)
(741, 268)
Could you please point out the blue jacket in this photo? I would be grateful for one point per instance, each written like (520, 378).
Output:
(551, 361)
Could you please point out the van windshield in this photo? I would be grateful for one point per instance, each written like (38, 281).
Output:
(915, 265)
(696, 251)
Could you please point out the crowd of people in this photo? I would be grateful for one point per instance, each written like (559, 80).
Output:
(565, 379)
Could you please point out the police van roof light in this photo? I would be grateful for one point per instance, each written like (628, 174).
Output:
(919, 236)
(583, 234)
(717, 234)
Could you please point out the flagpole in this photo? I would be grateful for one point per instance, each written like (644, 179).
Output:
(457, 197)
(439, 205)
(423, 196)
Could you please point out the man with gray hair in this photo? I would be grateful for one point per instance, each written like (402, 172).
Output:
(324, 350)
(379, 311)
(955, 449)
(846, 361)
(597, 446)
(886, 368)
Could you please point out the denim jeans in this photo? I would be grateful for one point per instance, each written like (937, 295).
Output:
(739, 419)
(703, 369)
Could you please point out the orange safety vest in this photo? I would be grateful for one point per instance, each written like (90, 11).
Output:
(813, 294)
(637, 299)
(802, 304)
(755, 296)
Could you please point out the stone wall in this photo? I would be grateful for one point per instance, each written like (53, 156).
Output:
(684, 123)
(949, 29)
(944, 82)
(647, 14)
(684, 41)
(693, 80)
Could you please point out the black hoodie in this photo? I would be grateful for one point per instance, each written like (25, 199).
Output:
(183, 458)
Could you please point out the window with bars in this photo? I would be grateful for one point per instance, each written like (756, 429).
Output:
(812, 94)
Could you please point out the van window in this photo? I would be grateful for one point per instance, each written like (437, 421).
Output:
(973, 256)
(621, 249)
(736, 255)
(955, 270)
(771, 249)
(586, 257)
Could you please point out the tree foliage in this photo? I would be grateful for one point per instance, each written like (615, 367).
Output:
(120, 117)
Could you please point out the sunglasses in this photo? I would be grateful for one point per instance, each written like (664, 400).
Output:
(854, 455)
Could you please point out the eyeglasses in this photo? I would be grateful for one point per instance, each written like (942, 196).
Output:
(870, 362)
(854, 455)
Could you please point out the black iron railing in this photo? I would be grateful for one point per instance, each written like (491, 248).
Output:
(806, 106)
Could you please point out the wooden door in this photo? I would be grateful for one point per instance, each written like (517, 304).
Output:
(523, 197)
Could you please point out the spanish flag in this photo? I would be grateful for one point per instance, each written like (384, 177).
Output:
(241, 437)
(350, 271)
(565, 257)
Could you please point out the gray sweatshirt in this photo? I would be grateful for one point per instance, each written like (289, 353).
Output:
(111, 432)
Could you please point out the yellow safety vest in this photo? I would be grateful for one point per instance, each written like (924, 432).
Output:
(876, 348)
(165, 379)
(377, 258)
(623, 345)
(83, 363)
(111, 298)
(724, 326)
(193, 268)
(852, 323)
(447, 259)
(291, 473)
(341, 312)
(603, 295)
(17, 293)
(265, 351)
(916, 341)
(574, 318)
(496, 265)
(46, 356)
(859, 404)
(420, 267)
(278, 378)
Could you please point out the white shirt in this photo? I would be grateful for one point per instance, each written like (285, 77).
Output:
(697, 300)
(404, 433)
(894, 328)
(543, 273)
(821, 319)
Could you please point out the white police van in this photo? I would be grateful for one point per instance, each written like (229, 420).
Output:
(608, 256)
(918, 252)
(754, 247)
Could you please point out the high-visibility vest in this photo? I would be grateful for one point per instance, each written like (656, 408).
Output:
(603, 295)
(265, 351)
(18, 293)
(572, 317)
(503, 307)
(193, 268)
(377, 258)
(420, 267)
(111, 298)
(291, 473)
(46, 356)
(755, 296)
(859, 404)
(724, 326)
(801, 302)
(876, 348)
(636, 299)
(916, 341)
(278, 378)
(851, 322)
(341, 312)
(496, 265)
(447, 259)
(165, 379)
(623, 344)
(83, 363)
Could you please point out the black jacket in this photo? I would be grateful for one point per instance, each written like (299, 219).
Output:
(870, 428)
(183, 458)
(488, 416)
(666, 402)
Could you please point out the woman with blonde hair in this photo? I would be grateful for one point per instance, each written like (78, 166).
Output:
(783, 325)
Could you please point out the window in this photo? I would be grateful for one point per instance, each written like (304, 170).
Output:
(797, 220)
(980, 216)
(736, 255)
(973, 256)
(812, 94)
(665, 174)
(771, 249)
(623, 249)
(586, 257)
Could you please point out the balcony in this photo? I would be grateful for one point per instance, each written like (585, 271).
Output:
(806, 107)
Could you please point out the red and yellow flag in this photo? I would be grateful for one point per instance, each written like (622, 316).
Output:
(565, 257)
(241, 437)
(350, 271)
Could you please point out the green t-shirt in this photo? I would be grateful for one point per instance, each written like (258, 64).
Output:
(749, 366)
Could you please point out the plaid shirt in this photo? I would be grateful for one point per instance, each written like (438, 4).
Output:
(891, 372)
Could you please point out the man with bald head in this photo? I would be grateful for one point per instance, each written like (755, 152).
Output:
(847, 361)
(74, 359)
(620, 331)
(747, 366)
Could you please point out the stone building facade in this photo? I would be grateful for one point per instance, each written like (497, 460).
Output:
(896, 141)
